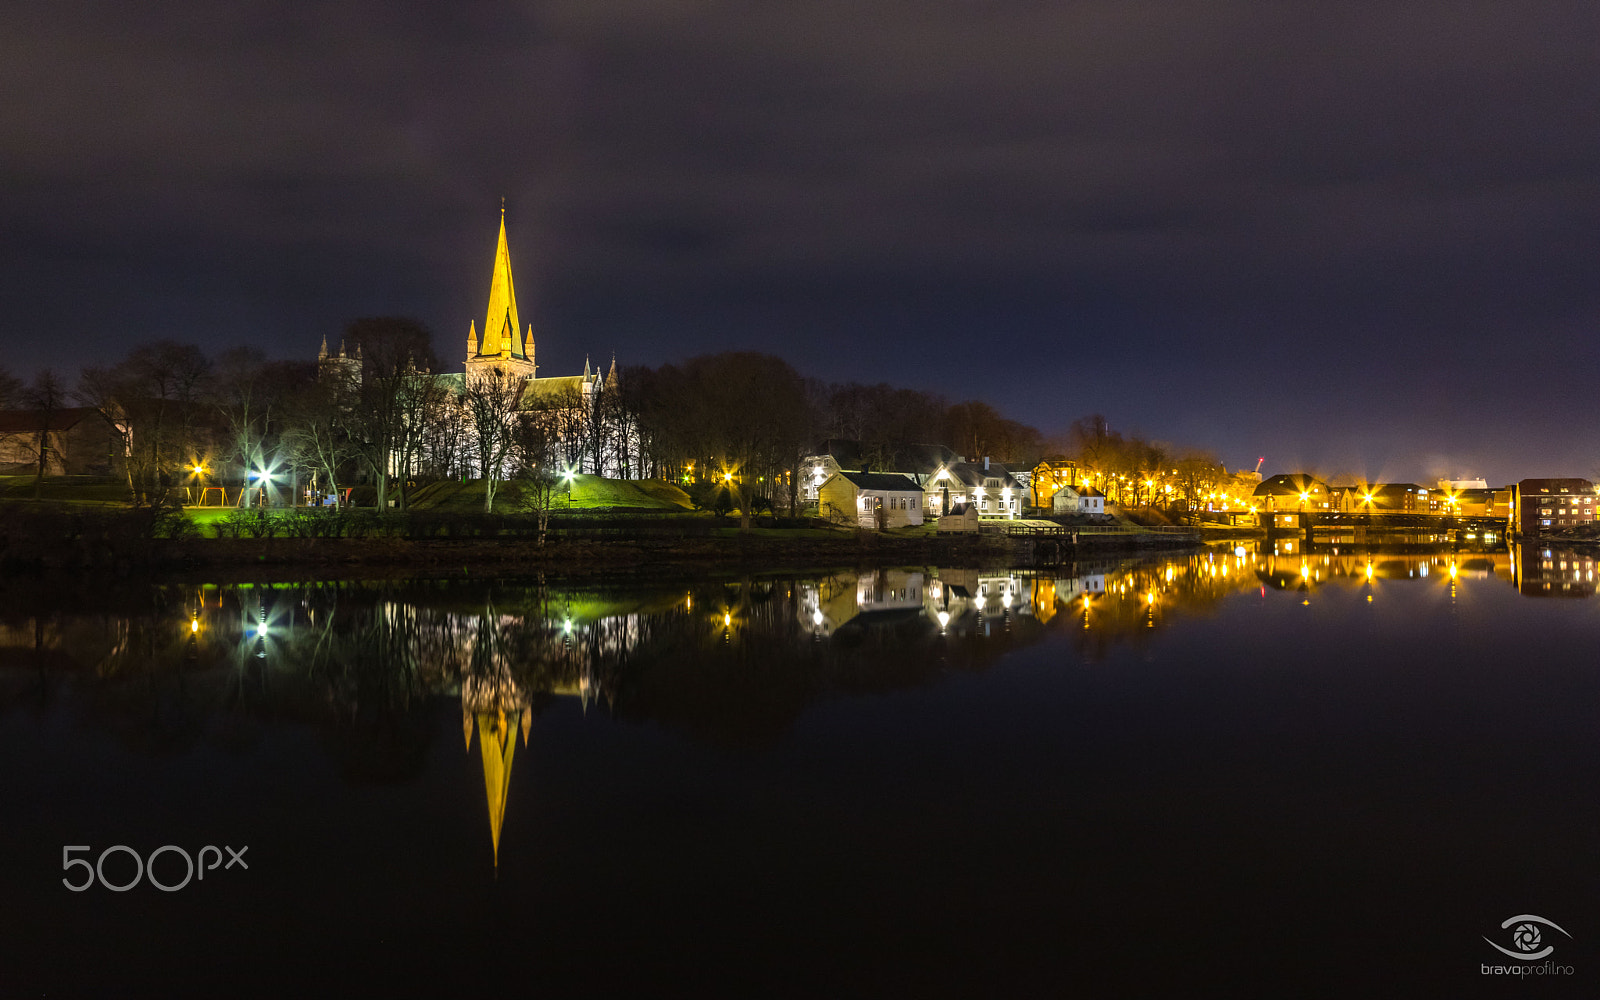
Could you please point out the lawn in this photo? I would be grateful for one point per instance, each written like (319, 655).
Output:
(99, 490)
(588, 492)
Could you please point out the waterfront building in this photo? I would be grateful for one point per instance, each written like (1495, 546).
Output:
(1468, 502)
(1050, 475)
(1408, 498)
(1280, 499)
(1066, 500)
(987, 485)
(918, 461)
(871, 499)
(1080, 499)
(1543, 504)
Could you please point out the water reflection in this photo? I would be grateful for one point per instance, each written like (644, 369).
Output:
(168, 669)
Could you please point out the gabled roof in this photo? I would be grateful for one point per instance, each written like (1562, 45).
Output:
(31, 421)
(913, 459)
(1293, 482)
(1088, 491)
(882, 482)
(974, 474)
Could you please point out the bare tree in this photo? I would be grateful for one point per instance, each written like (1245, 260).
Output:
(45, 397)
(492, 399)
(102, 390)
(532, 453)
(250, 393)
(395, 391)
(10, 389)
(317, 426)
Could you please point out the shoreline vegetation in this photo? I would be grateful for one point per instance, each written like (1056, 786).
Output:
(58, 536)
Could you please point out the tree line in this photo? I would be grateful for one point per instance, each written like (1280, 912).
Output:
(380, 413)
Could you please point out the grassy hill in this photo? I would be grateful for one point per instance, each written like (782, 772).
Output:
(588, 492)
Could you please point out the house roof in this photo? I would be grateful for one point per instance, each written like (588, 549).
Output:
(1293, 482)
(1088, 491)
(1556, 486)
(31, 421)
(883, 482)
(974, 474)
(914, 459)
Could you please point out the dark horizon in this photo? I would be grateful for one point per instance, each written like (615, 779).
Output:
(1350, 239)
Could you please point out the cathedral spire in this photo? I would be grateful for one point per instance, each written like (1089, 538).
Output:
(502, 295)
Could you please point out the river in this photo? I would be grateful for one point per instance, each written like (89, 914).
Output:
(1256, 770)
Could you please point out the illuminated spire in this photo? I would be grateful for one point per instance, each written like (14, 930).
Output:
(502, 313)
(496, 743)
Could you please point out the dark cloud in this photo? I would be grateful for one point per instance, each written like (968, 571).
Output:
(1336, 232)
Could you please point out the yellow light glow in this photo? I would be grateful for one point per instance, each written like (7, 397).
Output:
(727, 619)
(194, 625)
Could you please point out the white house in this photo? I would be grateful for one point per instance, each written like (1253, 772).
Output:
(871, 499)
(1067, 500)
(987, 486)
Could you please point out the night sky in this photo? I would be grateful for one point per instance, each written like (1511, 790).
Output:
(1357, 237)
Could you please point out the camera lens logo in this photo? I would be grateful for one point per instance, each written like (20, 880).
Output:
(1526, 937)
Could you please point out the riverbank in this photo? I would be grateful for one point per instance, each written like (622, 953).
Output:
(133, 543)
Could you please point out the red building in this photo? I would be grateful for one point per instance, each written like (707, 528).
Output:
(1543, 504)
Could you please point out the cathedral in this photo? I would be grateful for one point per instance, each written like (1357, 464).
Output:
(570, 405)
(503, 344)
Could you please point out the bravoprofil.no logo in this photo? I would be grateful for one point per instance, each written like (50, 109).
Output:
(1528, 942)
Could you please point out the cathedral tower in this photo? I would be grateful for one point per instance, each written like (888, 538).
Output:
(502, 344)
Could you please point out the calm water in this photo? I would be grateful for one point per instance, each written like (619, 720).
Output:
(1271, 772)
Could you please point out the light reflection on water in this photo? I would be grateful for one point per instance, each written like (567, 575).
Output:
(500, 645)
(744, 670)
